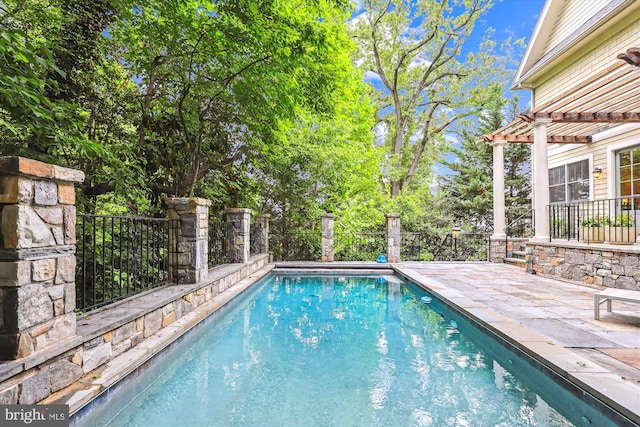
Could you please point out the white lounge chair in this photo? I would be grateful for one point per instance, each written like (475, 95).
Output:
(611, 294)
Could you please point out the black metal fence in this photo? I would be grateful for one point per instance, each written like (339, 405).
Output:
(217, 234)
(520, 222)
(429, 246)
(296, 245)
(610, 220)
(365, 246)
(118, 257)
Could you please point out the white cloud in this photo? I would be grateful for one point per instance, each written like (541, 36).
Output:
(419, 62)
(356, 19)
(415, 137)
(381, 130)
(451, 138)
(371, 76)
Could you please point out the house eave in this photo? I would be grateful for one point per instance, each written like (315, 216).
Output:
(607, 18)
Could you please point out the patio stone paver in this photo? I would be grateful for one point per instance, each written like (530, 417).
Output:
(552, 319)
(567, 335)
(628, 355)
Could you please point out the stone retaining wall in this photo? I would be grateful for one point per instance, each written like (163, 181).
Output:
(107, 333)
(596, 266)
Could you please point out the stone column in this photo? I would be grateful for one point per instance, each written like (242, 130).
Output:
(260, 234)
(327, 237)
(189, 239)
(393, 237)
(497, 249)
(499, 216)
(540, 179)
(37, 256)
(238, 232)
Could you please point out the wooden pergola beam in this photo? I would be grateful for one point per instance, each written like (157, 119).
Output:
(528, 139)
(583, 117)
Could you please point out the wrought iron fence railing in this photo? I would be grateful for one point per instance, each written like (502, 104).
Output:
(296, 245)
(118, 257)
(429, 246)
(606, 220)
(217, 233)
(519, 222)
(365, 246)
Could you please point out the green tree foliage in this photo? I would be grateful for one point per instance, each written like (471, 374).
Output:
(320, 163)
(216, 80)
(470, 185)
(426, 83)
(252, 103)
(33, 123)
(59, 88)
(153, 98)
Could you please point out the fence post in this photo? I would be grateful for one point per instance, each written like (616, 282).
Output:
(393, 237)
(238, 234)
(189, 238)
(37, 256)
(327, 237)
(260, 238)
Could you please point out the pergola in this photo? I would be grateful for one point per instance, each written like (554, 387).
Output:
(609, 98)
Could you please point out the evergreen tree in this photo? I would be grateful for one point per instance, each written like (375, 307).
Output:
(471, 182)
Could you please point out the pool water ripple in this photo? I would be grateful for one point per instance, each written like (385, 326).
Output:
(330, 351)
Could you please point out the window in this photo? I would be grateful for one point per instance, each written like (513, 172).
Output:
(629, 176)
(570, 182)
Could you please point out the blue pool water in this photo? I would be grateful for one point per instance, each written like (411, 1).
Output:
(339, 351)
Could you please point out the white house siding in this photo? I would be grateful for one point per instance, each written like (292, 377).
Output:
(574, 14)
(589, 62)
(601, 154)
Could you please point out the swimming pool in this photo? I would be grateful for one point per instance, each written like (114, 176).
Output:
(336, 350)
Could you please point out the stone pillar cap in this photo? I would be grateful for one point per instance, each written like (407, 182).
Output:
(238, 210)
(15, 165)
(187, 201)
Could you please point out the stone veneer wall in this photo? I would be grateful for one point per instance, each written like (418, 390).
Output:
(37, 256)
(110, 332)
(237, 240)
(596, 266)
(394, 239)
(497, 250)
(189, 238)
(327, 244)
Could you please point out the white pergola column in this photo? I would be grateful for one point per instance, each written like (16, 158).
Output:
(499, 222)
(541, 179)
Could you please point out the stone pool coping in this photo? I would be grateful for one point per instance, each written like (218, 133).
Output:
(602, 381)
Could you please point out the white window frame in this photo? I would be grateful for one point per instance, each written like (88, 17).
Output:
(612, 164)
(566, 162)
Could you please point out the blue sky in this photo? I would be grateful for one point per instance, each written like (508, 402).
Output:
(511, 18)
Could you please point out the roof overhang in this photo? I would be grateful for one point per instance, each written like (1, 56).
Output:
(610, 98)
(535, 62)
